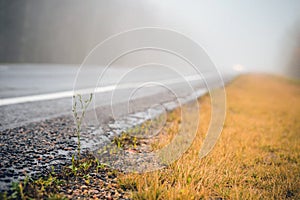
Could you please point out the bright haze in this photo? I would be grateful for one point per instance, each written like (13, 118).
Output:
(237, 35)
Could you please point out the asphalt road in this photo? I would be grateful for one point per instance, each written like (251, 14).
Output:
(32, 92)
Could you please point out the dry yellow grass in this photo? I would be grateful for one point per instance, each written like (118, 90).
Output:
(256, 157)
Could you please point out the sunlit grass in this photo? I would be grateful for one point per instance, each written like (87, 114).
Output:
(256, 157)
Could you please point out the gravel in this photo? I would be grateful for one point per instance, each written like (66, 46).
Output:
(31, 150)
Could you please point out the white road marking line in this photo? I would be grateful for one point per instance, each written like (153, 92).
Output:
(59, 95)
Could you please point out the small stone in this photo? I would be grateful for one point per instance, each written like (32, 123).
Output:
(94, 192)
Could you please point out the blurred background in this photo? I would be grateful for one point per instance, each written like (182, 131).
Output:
(244, 36)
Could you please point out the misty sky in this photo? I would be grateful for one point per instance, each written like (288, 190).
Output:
(256, 34)
(259, 35)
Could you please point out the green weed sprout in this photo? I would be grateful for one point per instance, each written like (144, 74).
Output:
(79, 117)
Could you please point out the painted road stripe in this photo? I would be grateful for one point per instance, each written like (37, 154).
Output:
(109, 88)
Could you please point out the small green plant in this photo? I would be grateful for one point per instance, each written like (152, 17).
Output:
(18, 189)
(44, 184)
(100, 165)
(125, 140)
(80, 168)
(78, 118)
(73, 166)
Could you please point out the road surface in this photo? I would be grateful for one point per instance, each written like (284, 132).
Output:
(32, 92)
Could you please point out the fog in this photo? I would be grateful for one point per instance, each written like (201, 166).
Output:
(292, 52)
(249, 36)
